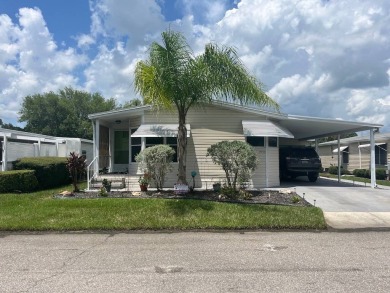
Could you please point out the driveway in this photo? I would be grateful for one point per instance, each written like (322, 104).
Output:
(346, 205)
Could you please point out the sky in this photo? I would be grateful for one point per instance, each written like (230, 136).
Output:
(322, 58)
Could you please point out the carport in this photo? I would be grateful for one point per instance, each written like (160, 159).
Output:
(305, 128)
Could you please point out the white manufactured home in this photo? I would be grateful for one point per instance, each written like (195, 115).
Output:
(19, 144)
(119, 135)
(355, 152)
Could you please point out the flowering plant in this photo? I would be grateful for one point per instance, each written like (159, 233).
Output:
(144, 180)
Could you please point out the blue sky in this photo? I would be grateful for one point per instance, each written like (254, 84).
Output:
(316, 58)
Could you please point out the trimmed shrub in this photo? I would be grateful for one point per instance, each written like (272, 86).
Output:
(237, 159)
(156, 162)
(334, 170)
(380, 174)
(50, 171)
(362, 173)
(18, 180)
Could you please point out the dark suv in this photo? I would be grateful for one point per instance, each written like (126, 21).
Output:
(297, 161)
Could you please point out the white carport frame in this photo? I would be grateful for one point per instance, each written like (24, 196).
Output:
(21, 135)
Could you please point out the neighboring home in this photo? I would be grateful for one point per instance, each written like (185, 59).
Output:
(355, 152)
(18, 144)
(119, 135)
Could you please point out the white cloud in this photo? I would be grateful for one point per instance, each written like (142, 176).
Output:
(32, 62)
(316, 58)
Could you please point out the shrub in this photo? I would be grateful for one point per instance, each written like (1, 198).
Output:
(156, 161)
(380, 174)
(18, 180)
(49, 171)
(76, 165)
(237, 158)
(363, 173)
(334, 170)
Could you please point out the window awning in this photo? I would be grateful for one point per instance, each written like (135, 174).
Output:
(368, 145)
(343, 148)
(265, 128)
(159, 130)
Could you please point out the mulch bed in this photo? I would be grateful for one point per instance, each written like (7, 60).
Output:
(275, 197)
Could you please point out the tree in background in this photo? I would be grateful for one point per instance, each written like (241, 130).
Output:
(334, 137)
(64, 113)
(173, 78)
(9, 126)
(131, 104)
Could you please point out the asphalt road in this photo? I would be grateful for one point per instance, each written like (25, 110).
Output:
(196, 262)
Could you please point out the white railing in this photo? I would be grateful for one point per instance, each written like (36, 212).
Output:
(89, 179)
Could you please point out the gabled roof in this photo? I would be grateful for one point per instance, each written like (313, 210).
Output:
(302, 127)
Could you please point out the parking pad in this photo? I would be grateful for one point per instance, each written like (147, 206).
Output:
(346, 205)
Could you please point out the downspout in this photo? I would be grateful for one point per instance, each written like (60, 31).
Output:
(372, 148)
(5, 161)
(338, 159)
(266, 162)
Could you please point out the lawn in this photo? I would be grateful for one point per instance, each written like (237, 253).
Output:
(40, 212)
(357, 179)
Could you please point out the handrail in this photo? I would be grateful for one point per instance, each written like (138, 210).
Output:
(88, 167)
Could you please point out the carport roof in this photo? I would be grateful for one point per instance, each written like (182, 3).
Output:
(302, 127)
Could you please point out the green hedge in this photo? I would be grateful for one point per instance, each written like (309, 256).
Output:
(18, 180)
(334, 170)
(365, 173)
(50, 171)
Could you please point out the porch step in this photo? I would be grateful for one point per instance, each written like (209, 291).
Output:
(118, 182)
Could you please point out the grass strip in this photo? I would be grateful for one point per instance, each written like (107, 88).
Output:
(40, 212)
(356, 179)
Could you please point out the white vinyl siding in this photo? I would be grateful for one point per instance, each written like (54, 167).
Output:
(209, 125)
(17, 150)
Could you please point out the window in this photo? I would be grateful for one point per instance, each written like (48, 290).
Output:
(152, 141)
(255, 140)
(381, 154)
(273, 142)
(172, 142)
(135, 146)
(345, 156)
(121, 151)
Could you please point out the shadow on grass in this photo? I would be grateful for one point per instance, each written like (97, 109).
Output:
(182, 207)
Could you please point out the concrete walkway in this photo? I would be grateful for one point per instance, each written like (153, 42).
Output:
(346, 205)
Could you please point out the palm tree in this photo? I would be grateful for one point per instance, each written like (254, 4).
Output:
(173, 77)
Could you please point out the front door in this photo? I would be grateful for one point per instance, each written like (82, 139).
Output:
(121, 150)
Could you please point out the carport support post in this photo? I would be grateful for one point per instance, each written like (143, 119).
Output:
(372, 148)
(338, 159)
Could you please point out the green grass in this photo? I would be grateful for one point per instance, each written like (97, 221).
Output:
(40, 212)
(357, 179)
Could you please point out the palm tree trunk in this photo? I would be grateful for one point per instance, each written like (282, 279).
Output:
(181, 149)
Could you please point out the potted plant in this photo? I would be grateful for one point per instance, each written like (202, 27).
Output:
(144, 182)
(217, 187)
(107, 185)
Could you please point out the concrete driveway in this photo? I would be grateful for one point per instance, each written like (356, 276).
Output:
(346, 205)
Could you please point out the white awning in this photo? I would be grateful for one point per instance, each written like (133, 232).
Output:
(265, 128)
(336, 150)
(368, 145)
(159, 130)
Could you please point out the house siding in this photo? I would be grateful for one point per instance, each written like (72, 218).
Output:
(209, 125)
(356, 161)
